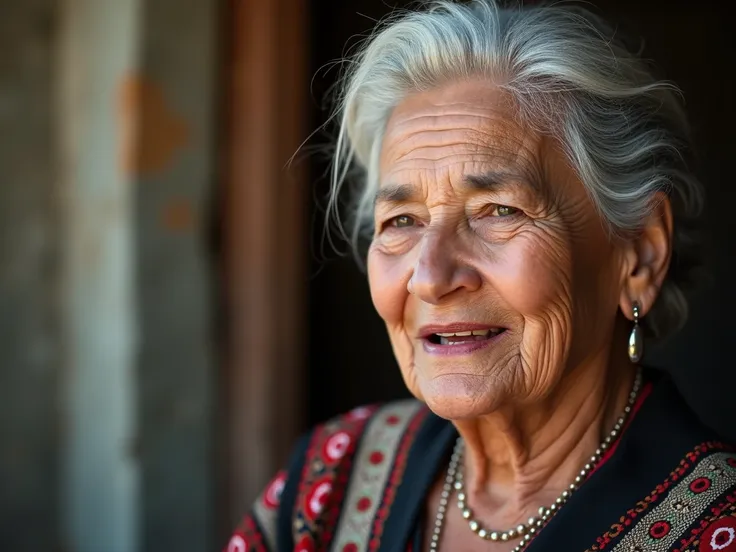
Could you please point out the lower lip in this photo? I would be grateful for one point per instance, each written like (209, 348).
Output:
(464, 348)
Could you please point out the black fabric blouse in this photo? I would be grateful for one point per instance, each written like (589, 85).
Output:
(359, 482)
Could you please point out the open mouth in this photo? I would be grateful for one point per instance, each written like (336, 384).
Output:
(461, 338)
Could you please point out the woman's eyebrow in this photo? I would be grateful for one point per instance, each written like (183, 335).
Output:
(485, 181)
(497, 180)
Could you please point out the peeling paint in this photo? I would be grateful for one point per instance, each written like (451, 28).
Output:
(153, 132)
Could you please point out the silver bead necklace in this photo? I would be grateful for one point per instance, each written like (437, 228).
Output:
(523, 531)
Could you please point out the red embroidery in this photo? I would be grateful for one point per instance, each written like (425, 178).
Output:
(272, 496)
(376, 457)
(363, 504)
(395, 478)
(725, 508)
(253, 536)
(237, 544)
(322, 486)
(656, 495)
(246, 539)
(306, 544)
(336, 446)
(373, 464)
(315, 500)
(700, 485)
(659, 529)
(720, 535)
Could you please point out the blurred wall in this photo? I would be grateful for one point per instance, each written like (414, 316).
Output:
(96, 49)
(29, 276)
(175, 105)
(108, 116)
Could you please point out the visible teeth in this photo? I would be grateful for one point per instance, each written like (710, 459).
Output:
(465, 334)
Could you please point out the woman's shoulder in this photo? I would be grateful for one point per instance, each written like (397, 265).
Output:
(358, 453)
(364, 430)
(345, 463)
(670, 484)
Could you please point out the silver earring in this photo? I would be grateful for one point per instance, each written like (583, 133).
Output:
(636, 339)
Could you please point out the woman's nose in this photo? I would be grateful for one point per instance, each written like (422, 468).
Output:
(438, 271)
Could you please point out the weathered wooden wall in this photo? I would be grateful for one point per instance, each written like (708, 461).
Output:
(109, 115)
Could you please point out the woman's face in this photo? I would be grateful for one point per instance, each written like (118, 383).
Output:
(490, 265)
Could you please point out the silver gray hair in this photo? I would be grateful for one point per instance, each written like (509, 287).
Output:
(623, 130)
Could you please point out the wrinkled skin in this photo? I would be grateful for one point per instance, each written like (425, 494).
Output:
(481, 220)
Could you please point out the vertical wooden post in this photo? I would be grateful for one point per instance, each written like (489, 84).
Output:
(264, 242)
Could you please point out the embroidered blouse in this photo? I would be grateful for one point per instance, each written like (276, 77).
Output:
(358, 484)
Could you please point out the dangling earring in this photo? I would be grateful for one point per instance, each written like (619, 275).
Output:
(636, 339)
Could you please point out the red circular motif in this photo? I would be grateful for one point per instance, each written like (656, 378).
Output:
(659, 529)
(376, 457)
(700, 485)
(719, 535)
(237, 544)
(317, 498)
(306, 544)
(731, 461)
(272, 496)
(336, 446)
(350, 547)
(392, 420)
(363, 504)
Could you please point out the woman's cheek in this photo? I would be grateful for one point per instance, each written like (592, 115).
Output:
(388, 277)
(531, 274)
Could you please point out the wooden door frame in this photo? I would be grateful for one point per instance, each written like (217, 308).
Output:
(264, 243)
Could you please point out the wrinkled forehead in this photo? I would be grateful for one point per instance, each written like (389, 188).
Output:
(469, 129)
(466, 124)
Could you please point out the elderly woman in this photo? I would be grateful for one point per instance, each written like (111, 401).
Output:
(530, 216)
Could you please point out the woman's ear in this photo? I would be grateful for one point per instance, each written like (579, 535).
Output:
(647, 258)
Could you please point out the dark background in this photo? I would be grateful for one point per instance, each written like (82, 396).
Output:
(692, 44)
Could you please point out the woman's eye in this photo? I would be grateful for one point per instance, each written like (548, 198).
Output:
(504, 211)
(402, 221)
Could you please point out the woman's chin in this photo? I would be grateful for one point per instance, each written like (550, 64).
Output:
(457, 397)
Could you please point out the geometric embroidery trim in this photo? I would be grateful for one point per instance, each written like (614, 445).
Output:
(247, 538)
(373, 464)
(325, 473)
(725, 511)
(633, 514)
(396, 477)
(266, 507)
(719, 535)
(685, 503)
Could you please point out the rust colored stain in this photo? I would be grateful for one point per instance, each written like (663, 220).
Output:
(178, 215)
(153, 132)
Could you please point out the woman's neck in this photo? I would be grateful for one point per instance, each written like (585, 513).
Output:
(518, 459)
